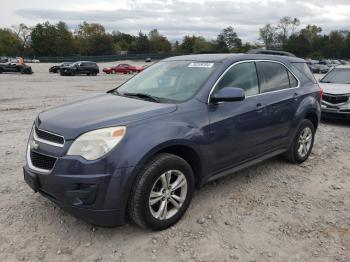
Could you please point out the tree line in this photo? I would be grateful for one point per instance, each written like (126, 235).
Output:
(47, 39)
(306, 42)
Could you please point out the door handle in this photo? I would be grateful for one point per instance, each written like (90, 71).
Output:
(259, 107)
(296, 96)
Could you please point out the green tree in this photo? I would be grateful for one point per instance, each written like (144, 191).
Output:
(187, 44)
(92, 39)
(52, 40)
(158, 43)
(268, 34)
(201, 45)
(122, 40)
(299, 45)
(221, 45)
(307, 43)
(23, 33)
(9, 43)
(230, 37)
(140, 44)
(44, 40)
(65, 40)
(287, 26)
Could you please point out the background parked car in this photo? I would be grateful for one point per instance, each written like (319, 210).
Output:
(336, 96)
(80, 68)
(4, 59)
(11, 67)
(326, 62)
(313, 67)
(56, 68)
(322, 69)
(123, 68)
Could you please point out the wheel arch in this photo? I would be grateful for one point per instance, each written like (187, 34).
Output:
(312, 116)
(182, 149)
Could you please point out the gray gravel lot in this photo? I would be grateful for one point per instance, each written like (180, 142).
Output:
(273, 211)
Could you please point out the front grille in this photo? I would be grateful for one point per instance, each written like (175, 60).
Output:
(335, 99)
(44, 135)
(42, 161)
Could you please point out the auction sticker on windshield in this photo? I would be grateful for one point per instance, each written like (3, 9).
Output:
(206, 65)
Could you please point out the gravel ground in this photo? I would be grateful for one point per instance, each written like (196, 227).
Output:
(273, 211)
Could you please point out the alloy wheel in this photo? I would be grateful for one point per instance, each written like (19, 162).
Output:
(168, 194)
(305, 142)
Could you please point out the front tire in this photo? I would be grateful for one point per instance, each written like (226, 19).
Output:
(162, 192)
(302, 144)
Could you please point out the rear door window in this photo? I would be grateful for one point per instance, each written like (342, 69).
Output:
(273, 76)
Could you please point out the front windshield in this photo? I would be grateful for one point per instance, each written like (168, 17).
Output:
(173, 81)
(337, 76)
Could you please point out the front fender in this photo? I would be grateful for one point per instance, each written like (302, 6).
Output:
(158, 135)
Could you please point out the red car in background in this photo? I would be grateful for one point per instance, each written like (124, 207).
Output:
(123, 68)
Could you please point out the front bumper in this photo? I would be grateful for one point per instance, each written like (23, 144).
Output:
(99, 199)
(335, 113)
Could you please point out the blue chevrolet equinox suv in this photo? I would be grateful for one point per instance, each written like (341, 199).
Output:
(139, 150)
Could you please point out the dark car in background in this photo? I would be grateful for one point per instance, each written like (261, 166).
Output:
(322, 69)
(314, 67)
(80, 68)
(140, 150)
(124, 69)
(336, 96)
(326, 62)
(4, 59)
(11, 67)
(56, 68)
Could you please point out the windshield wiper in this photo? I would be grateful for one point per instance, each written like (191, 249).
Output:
(142, 96)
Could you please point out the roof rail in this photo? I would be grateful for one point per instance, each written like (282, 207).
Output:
(270, 52)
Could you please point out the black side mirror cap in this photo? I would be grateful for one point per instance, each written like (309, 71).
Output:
(228, 94)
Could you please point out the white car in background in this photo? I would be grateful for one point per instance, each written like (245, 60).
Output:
(336, 93)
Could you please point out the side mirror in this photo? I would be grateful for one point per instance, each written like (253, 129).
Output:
(228, 94)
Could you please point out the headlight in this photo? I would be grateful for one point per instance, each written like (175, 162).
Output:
(95, 144)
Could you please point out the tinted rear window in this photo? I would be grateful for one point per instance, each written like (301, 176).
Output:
(305, 70)
(273, 76)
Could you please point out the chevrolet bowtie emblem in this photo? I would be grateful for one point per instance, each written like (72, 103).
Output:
(34, 145)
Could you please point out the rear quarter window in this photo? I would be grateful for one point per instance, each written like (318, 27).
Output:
(305, 70)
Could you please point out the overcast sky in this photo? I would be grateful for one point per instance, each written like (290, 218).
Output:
(176, 18)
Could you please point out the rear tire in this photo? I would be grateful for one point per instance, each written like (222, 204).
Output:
(302, 144)
(162, 192)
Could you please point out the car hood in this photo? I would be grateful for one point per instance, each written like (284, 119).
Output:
(335, 89)
(98, 111)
